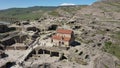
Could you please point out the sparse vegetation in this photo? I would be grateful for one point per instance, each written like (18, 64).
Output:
(106, 66)
(25, 13)
(54, 13)
(34, 12)
(109, 0)
(112, 48)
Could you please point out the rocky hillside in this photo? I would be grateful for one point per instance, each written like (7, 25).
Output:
(105, 10)
(96, 27)
(38, 12)
(99, 24)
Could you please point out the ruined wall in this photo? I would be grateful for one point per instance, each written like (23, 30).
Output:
(52, 27)
(8, 42)
(13, 40)
(20, 39)
(5, 28)
(54, 54)
(33, 29)
(17, 48)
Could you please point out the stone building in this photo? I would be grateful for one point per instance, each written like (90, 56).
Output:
(63, 37)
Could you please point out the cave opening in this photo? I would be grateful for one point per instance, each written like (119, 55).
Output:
(53, 27)
(87, 57)
(40, 51)
(81, 53)
(54, 54)
(10, 64)
(47, 52)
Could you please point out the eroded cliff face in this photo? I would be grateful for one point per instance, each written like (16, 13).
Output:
(102, 11)
(98, 27)
(106, 61)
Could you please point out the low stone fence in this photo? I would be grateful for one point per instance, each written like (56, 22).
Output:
(16, 48)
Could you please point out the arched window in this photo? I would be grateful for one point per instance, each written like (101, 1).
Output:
(63, 43)
(51, 40)
(59, 43)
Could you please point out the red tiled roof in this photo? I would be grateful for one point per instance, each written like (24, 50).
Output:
(67, 39)
(64, 31)
(56, 37)
(60, 38)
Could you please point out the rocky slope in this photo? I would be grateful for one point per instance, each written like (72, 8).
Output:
(96, 27)
(99, 24)
(38, 12)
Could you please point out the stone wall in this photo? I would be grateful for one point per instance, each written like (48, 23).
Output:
(33, 29)
(13, 40)
(5, 28)
(8, 42)
(16, 48)
(52, 27)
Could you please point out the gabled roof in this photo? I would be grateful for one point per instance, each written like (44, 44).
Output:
(64, 31)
